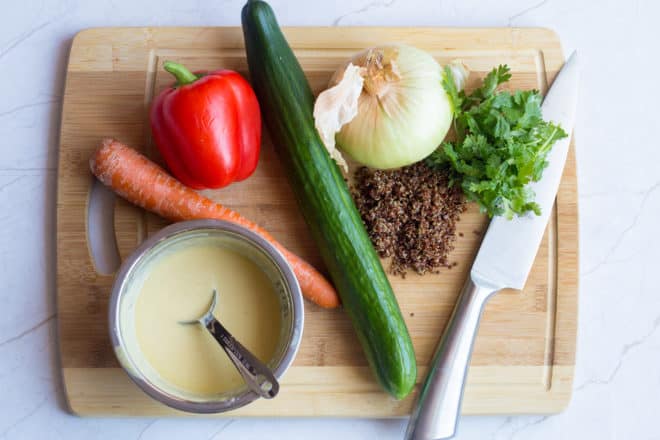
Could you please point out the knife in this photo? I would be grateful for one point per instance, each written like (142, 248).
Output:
(504, 260)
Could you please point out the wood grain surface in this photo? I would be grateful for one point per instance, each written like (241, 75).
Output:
(525, 350)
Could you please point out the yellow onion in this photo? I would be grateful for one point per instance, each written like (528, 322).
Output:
(386, 107)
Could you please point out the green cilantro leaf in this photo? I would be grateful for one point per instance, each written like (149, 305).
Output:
(502, 144)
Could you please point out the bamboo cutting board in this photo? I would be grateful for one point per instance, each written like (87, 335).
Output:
(525, 351)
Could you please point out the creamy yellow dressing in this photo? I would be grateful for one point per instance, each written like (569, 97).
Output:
(179, 287)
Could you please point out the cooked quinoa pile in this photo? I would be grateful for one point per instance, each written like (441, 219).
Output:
(410, 215)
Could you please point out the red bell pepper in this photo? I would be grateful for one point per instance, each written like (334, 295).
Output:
(207, 127)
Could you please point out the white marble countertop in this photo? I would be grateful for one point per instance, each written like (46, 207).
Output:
(617, 380)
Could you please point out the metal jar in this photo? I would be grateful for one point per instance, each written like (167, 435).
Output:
(124, 296)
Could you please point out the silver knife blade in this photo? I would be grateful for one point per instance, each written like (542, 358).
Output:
(509, 247)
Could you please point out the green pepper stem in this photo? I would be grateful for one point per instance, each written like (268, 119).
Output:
(183, 76)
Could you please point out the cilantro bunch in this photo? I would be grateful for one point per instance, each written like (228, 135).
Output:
(501, 144)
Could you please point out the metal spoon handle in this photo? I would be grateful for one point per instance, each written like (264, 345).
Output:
(257, 376)
(439, 401)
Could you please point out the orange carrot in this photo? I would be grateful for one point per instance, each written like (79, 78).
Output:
(143, 183)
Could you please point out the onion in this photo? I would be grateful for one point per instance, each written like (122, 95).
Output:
(386, 107)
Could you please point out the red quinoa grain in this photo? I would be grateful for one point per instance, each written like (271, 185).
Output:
(410, 215)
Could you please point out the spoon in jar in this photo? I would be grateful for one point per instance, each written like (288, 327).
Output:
(257, 376)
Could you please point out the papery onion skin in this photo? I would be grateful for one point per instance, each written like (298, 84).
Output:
(400, 120)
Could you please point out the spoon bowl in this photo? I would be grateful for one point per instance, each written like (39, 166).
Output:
(256, 375)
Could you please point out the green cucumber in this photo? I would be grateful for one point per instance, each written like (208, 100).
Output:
(325, 201)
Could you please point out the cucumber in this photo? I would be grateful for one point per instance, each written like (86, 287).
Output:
(324, 199)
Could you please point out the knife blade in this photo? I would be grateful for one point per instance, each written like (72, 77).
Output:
(504, 260)
(509, 247)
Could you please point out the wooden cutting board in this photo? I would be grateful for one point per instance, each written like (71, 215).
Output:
(525, 351)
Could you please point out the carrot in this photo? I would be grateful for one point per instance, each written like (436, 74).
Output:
(143, 183)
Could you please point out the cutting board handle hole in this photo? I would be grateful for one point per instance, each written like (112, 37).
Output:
(101, 229)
